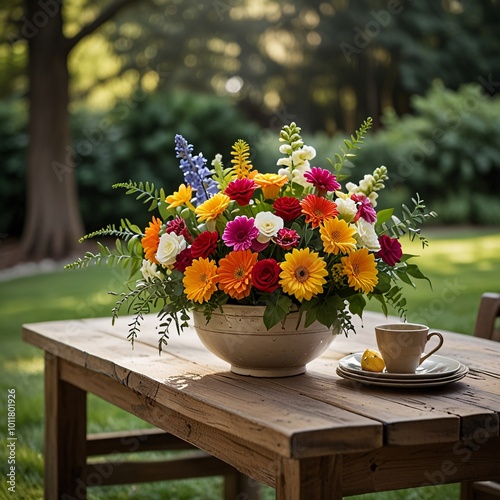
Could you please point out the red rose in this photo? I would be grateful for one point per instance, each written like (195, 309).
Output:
(390, 250)
(204, 244)
(265, 275)
(241, 191)
(287, 207)
(183, 260)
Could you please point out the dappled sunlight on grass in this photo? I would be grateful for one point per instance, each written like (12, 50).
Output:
(26, 366)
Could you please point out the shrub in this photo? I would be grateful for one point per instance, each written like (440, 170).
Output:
(447, 152)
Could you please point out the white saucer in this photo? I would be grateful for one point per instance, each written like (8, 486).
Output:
(402, 383)
(434, 367)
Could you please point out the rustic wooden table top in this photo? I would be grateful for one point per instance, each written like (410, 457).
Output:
(387, 437)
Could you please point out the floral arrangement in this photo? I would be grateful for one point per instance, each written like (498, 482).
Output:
(291, 240)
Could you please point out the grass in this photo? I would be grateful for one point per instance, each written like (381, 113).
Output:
(462, 264)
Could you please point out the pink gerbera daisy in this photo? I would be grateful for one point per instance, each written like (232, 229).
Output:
(240, 233)
(323, 180)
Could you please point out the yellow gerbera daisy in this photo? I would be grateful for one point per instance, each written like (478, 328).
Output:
(337, 236)
(200, 280)
(361, 270)
(303, 274)
(270, 184)
(181, 197)
(235, 273)
(213, 207)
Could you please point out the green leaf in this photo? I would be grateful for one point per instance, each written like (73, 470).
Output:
(357, 304)
(384, 215)
(276, 310)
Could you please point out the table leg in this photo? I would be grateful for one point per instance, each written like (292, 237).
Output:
(65, 435)
(310, 478)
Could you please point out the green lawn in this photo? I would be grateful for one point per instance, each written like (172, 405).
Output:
(462, 264)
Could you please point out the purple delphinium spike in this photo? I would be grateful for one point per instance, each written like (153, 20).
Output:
(196, 174)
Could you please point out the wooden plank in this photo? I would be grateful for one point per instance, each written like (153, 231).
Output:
(106, 443)
(128, 471)
(65, 434)
(395, 467)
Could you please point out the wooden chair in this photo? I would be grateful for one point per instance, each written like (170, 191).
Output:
(489, 311)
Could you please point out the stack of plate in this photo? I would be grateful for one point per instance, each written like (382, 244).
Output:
(435, 370)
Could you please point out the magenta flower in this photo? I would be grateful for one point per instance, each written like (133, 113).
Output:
(365, 209)
(178, 227)
(323, 180)
(241, 191)
(240, 233)
(287, 238)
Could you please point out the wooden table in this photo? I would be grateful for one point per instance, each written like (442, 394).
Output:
(313, 436)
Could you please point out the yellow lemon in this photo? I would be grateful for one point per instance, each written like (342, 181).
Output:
(372, 361)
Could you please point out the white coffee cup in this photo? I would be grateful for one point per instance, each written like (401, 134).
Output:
(402, 345)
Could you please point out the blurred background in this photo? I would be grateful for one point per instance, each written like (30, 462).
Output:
(94, 92)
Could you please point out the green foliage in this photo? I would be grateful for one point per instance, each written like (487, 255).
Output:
(447, 152)
(134, 140)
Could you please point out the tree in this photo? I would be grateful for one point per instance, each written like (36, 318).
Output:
(53, 223)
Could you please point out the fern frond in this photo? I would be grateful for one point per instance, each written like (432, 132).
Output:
(411, 221)
(146, 192)
(351, 145)
(125, 231)
(241, 163)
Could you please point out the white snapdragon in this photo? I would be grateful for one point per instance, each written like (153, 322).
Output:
(347, 209)
(149, 270)
(169, 247)
(268, 225)
(366, 235)
(298, 163)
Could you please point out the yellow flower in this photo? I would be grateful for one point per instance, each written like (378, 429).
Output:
(361, 270)
(270, 184)
(181, 197)
(235, 273)
(337, 236)
(303, 274)
(200, 280)
(213, 207)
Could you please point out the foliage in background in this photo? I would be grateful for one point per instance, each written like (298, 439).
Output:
(447, 152)
(134, 140)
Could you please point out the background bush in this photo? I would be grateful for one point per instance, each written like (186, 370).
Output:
(448, 152)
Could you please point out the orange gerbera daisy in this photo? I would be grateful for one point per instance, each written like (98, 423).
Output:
(360, 269)
(337, 236)
(270, 184)
(235, 273)
(213, 207)
(317, 209)
(151, 239)
(200, 280)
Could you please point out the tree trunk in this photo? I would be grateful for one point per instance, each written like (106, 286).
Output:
(53, 222)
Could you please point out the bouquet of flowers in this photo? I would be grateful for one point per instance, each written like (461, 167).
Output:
(290, 240)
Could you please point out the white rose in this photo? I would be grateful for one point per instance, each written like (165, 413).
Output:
(367, 236)
(268, 225)
(347, 209)
(149, 270)
(169, 247)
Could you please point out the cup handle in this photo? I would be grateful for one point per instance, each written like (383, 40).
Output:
(441, 340)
